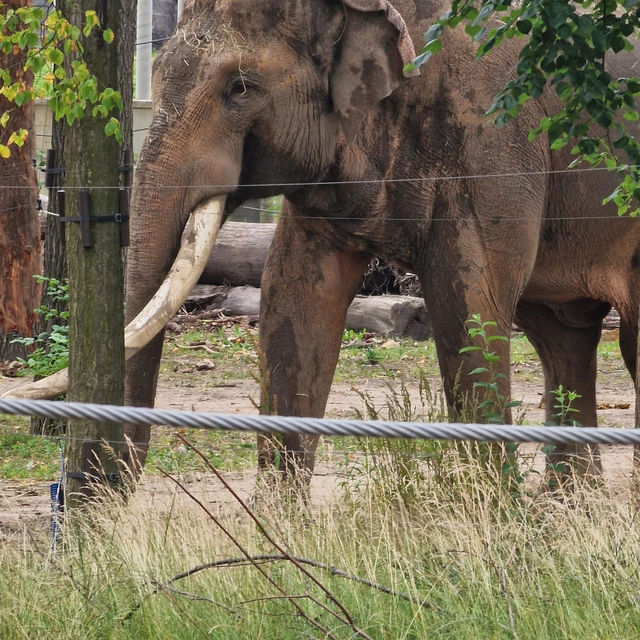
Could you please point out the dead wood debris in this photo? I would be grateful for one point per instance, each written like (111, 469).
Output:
(211, 319)
(11, 369)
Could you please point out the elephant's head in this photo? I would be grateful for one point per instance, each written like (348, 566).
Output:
(249, 95)
(257, 92)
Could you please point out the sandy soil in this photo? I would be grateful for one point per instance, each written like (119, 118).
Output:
(24, 506)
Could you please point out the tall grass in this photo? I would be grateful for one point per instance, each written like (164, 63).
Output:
(457, 565)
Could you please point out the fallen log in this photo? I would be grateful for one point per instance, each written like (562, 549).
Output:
(239, 254)
(389, 315)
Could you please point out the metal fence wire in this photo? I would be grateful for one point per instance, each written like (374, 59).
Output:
(321, 426)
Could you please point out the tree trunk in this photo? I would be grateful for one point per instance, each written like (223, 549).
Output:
(54, 264)
(54, 258)
(126, 46)
(19, 224)
(96, 298)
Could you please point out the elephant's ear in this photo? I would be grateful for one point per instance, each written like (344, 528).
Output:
(375, 47)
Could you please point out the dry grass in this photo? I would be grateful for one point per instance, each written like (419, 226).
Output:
(462, 560)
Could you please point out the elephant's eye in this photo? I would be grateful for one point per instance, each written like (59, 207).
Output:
(239, 85)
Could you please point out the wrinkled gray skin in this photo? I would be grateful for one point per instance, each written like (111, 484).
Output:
(290, 91)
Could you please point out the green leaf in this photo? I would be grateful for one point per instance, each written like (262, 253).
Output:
(493, 338)
(55, 56)
(113, 128)
(100, 110)
(432, 32)
(469, 349)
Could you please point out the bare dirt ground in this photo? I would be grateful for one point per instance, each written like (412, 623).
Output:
(24, 505)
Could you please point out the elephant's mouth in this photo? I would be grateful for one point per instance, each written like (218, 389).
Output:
(198, 237)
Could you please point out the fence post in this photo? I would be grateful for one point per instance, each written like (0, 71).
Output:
(143, 49)
(180, 7)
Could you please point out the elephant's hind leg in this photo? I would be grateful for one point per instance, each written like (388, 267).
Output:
(307, 286)
(567, 349)
(629, 336)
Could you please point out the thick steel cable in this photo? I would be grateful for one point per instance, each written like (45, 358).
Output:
(319, 426)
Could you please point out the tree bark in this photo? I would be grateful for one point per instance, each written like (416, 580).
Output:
(96, 298)
(19, 224)
(54, 262)
(54, 266)
(126, 46)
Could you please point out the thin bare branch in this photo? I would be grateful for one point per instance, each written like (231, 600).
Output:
(274, 543)
(242, 550)
(333, 570)
(193, 596)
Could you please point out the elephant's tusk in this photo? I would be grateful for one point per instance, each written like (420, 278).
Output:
(198, 238)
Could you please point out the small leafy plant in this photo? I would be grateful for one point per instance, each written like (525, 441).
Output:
(51, 351)
(492, 403)
(563, 405)
(563, 410)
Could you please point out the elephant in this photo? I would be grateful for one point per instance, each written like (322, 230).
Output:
(253, 98)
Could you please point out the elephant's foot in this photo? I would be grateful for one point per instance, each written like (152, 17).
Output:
(285, 467)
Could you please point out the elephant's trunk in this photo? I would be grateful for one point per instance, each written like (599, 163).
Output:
(198, 238)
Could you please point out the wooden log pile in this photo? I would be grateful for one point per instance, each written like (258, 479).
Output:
(389, 315)
(232, 276)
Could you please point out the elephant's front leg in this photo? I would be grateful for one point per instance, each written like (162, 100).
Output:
(307, 286)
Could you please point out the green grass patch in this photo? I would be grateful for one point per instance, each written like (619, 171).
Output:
(218, 356)
(24, 456)
(458, 565)
(226, 451)
(366, 356)
(233, 352)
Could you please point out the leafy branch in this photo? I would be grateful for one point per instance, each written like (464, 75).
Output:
(53, 69)
(567, 42)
